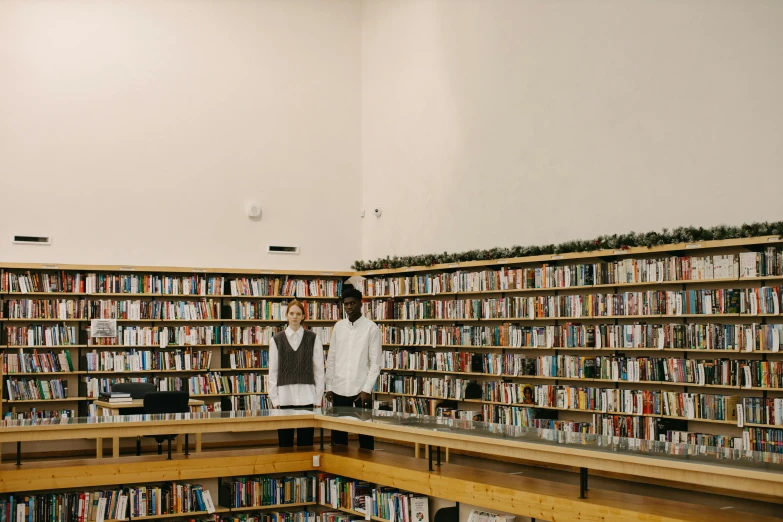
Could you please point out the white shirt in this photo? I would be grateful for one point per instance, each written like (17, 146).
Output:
(296, 394)
(354, 360)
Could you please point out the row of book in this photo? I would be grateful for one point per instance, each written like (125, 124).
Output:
(752, 301)
(242, 492)
(36, 389)
(46, 309)
(648, 428)
(276, 310)
(141, 310)
(37, 414)
(446, 387)
(247, 358)
(66, 309)
(41, 335)
(632, 402)
(37, 362)
(28, 281)
(621, 271)
(707, 336)
(387, 503)
(759, 410)
(75, 506)
(188, 335)
(272, 516)
(285, 287)
(246, 403)
(216, 383)
(146, 360)
(700, 372)
(152, 284)
(60, 335)
(170, 498)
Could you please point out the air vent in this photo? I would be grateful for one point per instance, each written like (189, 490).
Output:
(32, 240)
(280, 249)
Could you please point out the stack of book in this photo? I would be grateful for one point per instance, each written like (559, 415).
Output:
(116, 397)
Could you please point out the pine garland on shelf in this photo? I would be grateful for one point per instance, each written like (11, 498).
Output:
(615, 241)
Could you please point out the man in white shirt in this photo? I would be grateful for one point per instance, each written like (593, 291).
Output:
(296, 372)
(353, 363)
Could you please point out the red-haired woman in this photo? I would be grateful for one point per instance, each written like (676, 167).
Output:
(296, 372)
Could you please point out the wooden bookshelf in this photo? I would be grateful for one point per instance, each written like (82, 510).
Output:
(480, 286)
(118, 276)
(352, 512)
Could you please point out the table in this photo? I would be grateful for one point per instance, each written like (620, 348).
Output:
(114, 407)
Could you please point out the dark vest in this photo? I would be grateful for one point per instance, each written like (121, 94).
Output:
(295, 366)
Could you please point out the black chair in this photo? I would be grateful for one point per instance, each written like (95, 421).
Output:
(137, 390)
(166, 402)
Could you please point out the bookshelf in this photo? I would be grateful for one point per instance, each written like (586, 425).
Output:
(178, 328)
(663, 342)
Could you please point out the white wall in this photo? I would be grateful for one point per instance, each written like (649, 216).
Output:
(135, 132)
(502, 122)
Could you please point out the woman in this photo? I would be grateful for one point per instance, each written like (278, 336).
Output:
(296, 372)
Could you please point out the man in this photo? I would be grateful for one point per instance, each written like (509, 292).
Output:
(353, 363)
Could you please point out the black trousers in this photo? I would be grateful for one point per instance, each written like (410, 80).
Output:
(341, 437)
(304, 436)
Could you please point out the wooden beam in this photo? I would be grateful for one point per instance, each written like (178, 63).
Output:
(87, 473)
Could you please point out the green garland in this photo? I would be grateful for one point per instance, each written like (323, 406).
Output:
(615, 241)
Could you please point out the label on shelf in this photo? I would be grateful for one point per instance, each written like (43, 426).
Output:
(129, 268)
(454, 265)
(199, 269)
(557, 257)
(49, 266)
(619, 252)
(327, 273)
(773, 239)
(501, 261)
(693, 245)
(316, 461)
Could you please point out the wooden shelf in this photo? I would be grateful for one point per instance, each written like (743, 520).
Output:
(169, 320)
(580, 410)
(272, 506)
(584, 349)
(239, 369)
(218, 509)
(575, 319)
(227, 394)
(58, 347)
(45, 374)
(283, 321)
(582, 379)
(39, 320)
(69, 399)
(262, 297)
(352, 512)
(590, 289)
(111, 372)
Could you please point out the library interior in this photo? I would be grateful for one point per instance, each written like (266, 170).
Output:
(391, 260)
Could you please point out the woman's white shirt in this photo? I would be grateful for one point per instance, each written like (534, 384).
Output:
(296, 394)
